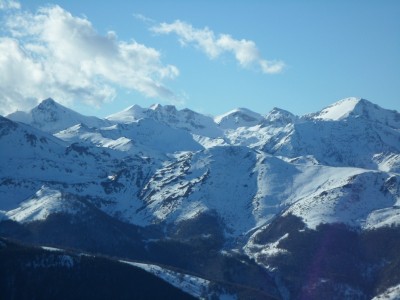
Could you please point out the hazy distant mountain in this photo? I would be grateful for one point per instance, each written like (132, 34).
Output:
(264, 207)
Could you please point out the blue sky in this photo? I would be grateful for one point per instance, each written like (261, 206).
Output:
(210, 56)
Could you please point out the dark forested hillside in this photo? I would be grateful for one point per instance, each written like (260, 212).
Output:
(35, 273)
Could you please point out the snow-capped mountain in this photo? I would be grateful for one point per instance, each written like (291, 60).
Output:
(358, 108)
(240, 117)
(351, 132)
(280, 118)
(197, 192)
(183, 119)
(52, 117)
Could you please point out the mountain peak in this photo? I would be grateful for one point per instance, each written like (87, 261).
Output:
(155, 106)
(48, 101)
(133, 107)
(49, 104)
(350, 107)
(128, 115)
(339, 110)
(135, 112)
(163, 109)
(51, 116)
(280, 116)
(49, 111)
(238, 117)
(357, 108)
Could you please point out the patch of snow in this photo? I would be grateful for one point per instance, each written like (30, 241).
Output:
(338, 110)
(51, 249)
(387, 163)
(131, 114)
(258, 252)
(384, 217)
(392, 293)
(46, 202)
(190, 284)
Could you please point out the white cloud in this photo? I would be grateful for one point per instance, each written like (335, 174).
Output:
(143, 18)
(9, 4)
(51, 53)
(245, 51)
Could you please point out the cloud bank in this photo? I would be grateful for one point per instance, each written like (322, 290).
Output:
(9, 4)
(51, 53)
(245, 51)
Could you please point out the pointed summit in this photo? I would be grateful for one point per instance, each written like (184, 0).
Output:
(338, 110)
(48, 103)
(155, 106)
(280, 117)
(49, 108)
(358, 108)
(51, 116)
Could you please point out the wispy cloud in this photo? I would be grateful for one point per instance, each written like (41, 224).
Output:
(245, 51)
(9, 4)
(53, 53)
(144, 19)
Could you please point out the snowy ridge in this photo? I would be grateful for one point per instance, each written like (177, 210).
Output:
(44, 203)
(52, 117)
(338, 110)
(240, 117)
(195, 286)
(392, 293)
(182, 119)
(195, 165)
(358, 108)
(279, 117)
(347, 200)
(187, 179)
(131, 114)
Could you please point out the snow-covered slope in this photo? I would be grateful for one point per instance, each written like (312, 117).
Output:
(248, 189)
(45, 202)
(351, 132)
(240, 117)
(355, 108)
(195, 286)
(339, 110)
(279, 117)
(130, 114)
(186, 119)
(245, 167)
(52, 117)
(188, 178)
(391, 293)
(145, 136)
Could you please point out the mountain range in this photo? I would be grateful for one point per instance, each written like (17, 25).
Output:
(245, 205)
